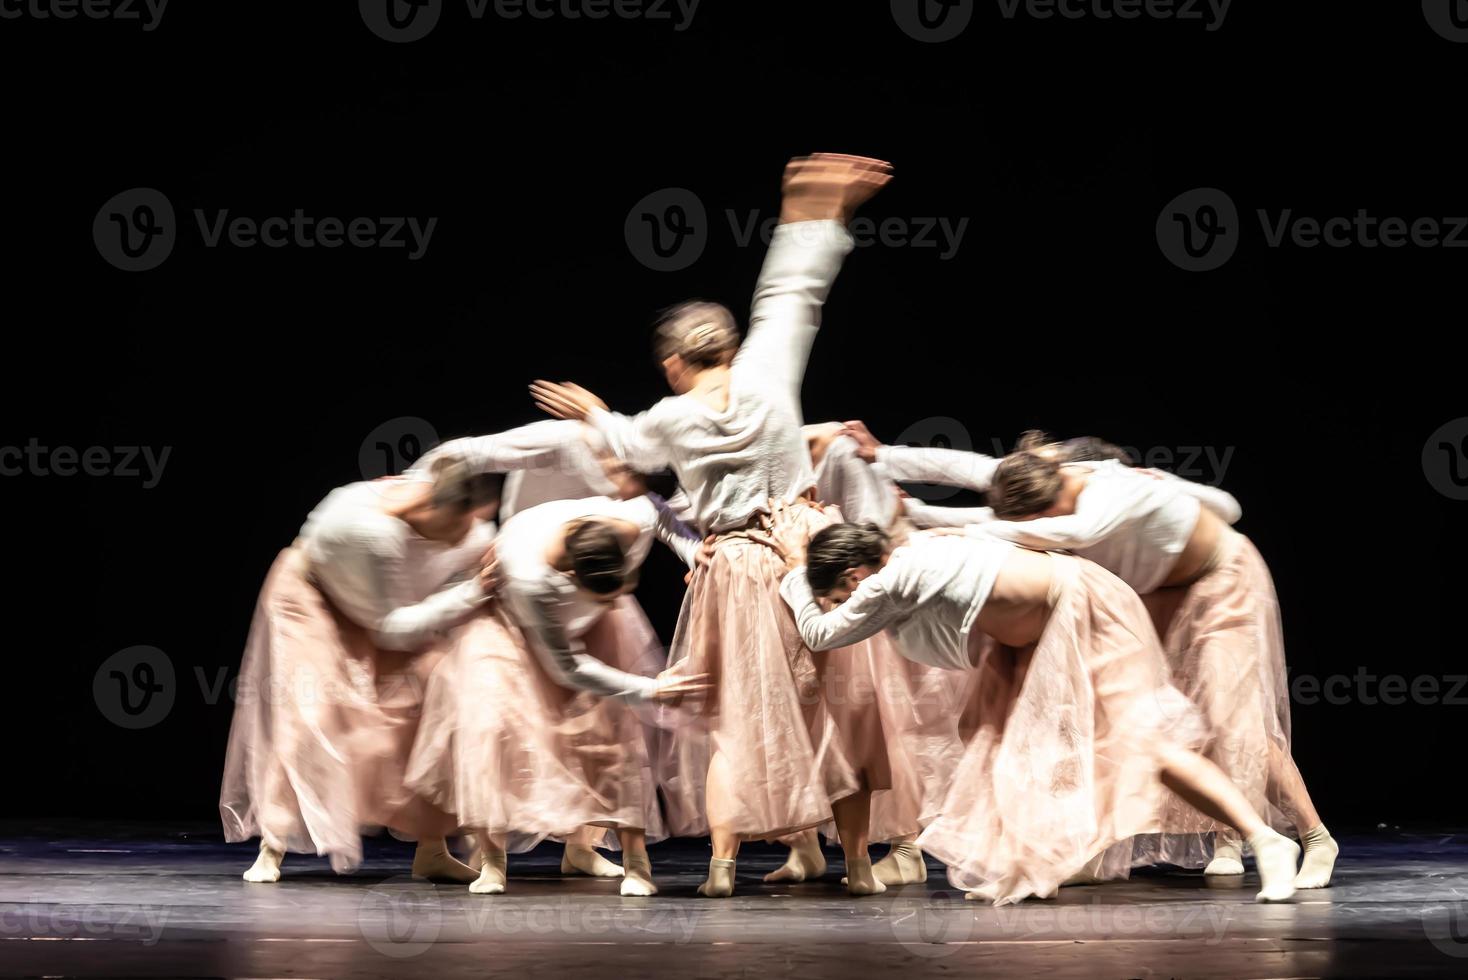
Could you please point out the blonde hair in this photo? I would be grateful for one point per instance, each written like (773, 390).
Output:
(1028, 480)
(703, 334)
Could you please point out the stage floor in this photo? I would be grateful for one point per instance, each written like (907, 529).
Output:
(168, 902)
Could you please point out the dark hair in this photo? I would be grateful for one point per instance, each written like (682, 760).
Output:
(839, 547)
(597, 557)
(1091, 448)
(457, 486)
(1027, 481)
(702, 333)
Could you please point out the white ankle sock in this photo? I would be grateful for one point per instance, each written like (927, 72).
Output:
(266, 868)
(903, 865)
(637, 881)
(720, 883)
(580, 859)
(433, 861)
(805, 861)
(492, 874)
(1228, 856)
(1275, 857)
(860, 880)
(1319, 862)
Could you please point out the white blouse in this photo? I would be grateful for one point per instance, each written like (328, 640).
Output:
(731, 462)
(548, 606)
(845, 479)
(1132, 522)
(384, 576)
(927, 596)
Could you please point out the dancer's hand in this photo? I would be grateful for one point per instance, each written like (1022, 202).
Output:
(831, 186)
(490, 578)
(565, 400)
(704, 556)
(673, 687)
(788, 541)
(866, 443)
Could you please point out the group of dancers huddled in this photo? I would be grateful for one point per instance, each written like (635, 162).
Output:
(1084, 676)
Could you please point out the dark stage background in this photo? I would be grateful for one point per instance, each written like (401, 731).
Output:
(1316, 375)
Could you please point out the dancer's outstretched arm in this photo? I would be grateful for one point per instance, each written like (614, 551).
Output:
(1222, 503)
(641, 441)
(401, 624)
(920, 464)
(528, 447)
(870, 609)
(925, 515)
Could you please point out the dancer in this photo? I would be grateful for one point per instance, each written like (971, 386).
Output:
(348, 628)
(772, 760)
(1085, 729)
(563, 460)
(527, 733)
(918, 704)
(1210, 595)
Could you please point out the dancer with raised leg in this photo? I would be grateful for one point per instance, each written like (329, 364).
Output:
(772, 760)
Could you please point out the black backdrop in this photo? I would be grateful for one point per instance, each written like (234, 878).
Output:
(1319, 374)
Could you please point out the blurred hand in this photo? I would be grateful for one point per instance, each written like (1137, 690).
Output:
(674, 687)
(866, 443)
(565, 400)
(490, 578)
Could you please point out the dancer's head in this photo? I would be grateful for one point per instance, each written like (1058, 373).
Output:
(598, 560)
(1090, 448)
(693, 337)
(458, 497)
(840, 557)
(1029, 482)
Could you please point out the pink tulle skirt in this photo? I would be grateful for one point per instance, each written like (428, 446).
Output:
(784, 732)
(1061, 771)
(324, 722)
(1225, 648)
(506, 749)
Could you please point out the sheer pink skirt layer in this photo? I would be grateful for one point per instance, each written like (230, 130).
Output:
(1225, 648)
(506, 749)
(324, 722)
(1061, 771)
(782, 734)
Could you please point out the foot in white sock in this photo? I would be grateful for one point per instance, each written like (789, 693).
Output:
(267, 865)
(492, 875)
(860, 879)
(903, 865)
(637, 882)
(433, 861)
(720, 883)
(1319, 862)
(1275, 856)
(805, 861)
(580, 859)
(1228, 857)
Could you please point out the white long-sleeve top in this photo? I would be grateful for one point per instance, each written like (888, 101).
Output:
(1132, 522)
(845, 479)
(386, 577)
(731, 462)
(927, 597)
(546, 603)
(948, 467)
(545, 461)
